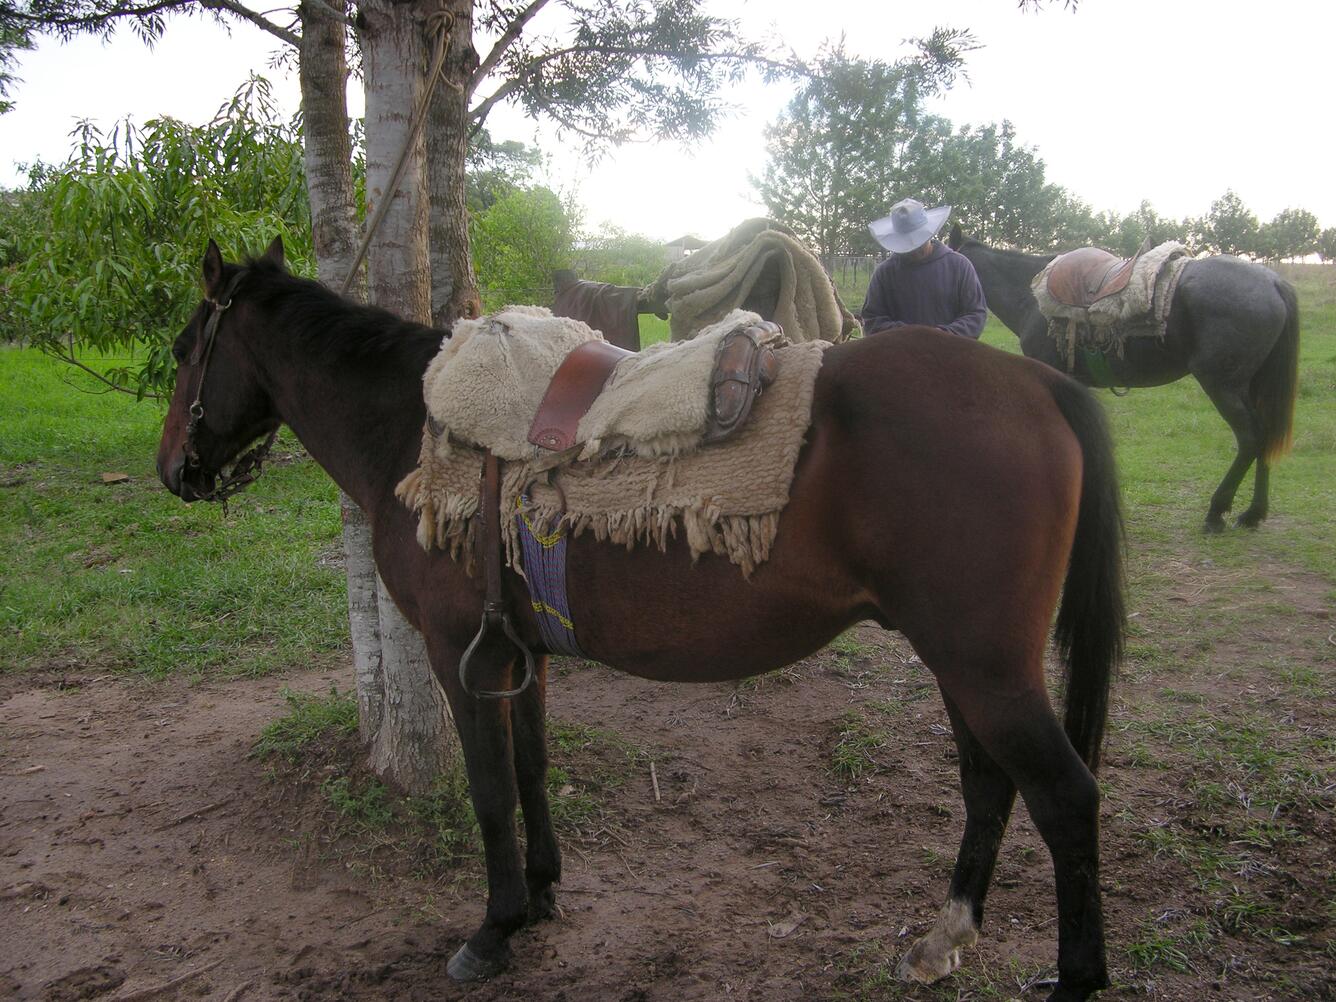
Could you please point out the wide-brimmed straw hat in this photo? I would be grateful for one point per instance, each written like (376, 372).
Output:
(909, 225)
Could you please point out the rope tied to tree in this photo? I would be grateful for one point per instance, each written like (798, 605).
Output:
(441, 24)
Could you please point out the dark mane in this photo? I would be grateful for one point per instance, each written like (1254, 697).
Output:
(1008, 252)
(336, 328)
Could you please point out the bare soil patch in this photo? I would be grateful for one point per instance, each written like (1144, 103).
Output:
(142, 848)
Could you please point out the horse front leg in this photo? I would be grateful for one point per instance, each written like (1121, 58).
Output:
(542, 864)
(485, 736)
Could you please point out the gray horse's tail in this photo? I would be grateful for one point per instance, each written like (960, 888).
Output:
(1275, 385)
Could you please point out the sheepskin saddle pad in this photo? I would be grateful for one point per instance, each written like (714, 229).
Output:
(487, 382)
(724, 498)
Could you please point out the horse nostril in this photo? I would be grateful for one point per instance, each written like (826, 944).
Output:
(171, 475)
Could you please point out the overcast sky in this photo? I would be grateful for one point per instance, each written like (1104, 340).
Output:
(1191, 97)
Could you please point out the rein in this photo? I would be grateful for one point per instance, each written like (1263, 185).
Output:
(247, 467)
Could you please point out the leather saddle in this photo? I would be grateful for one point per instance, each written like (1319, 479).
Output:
(1085, 276)
(743, 366)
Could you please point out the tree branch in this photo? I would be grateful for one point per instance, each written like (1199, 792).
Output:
(264, 24)
(479, 113)
(503, 43)
(340, 16)
(98, 19)
(71, 360)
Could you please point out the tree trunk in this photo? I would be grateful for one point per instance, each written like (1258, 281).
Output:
(329, 181)
(323, 70)
(415, 739)
(454, 288)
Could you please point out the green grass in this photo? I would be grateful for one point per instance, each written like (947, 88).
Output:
(310, 719)
(652, 330)
(855, 741)
(125, 577)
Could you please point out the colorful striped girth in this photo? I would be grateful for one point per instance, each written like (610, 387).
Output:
(544, 555)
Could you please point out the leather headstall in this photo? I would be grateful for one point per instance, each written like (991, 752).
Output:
(247, 467)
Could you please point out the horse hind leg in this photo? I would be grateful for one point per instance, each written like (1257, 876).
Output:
(1245, 422)
(1022, 738)
(989, 795)
(1257, 511)
(542, 864)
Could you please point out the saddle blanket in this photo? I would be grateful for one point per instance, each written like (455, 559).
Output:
(759, 265)
(485, 385)
(724, 499)
(1139, 310)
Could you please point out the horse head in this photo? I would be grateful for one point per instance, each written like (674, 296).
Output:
(218, 407)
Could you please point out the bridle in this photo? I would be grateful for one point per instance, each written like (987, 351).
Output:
(247, 467)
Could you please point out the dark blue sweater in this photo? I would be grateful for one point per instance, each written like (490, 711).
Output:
(942, 291)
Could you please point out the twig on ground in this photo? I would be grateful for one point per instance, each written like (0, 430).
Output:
(654, 778)
(193, 814)
(238, 991)
(166, 986)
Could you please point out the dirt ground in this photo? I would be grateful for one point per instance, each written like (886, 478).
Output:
(145, 854)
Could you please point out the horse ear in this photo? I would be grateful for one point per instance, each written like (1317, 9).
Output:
(955, 238)
(274, 252)
(213, 271)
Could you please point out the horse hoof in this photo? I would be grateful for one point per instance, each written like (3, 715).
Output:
(1214, 525)
(1061, 994)
(466, 965)
(922, 965)
(1250, 520)
(542, 905)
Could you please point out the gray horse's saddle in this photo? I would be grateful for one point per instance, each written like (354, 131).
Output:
(1085, 276)
(743, 365)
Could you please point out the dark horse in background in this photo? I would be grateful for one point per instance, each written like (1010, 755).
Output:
(1234, 325)
(946, 489)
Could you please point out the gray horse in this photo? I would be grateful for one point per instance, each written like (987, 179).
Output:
(1234, 325)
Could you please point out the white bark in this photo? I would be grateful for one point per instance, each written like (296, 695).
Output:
(363, 619)
(454, 288)
(328, 158)
(416, 738)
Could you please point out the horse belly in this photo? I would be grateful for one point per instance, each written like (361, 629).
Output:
(659, 616)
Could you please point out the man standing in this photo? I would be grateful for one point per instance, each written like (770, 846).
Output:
(924, 282)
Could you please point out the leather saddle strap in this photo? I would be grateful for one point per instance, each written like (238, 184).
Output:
(491, 536)
(578, 380)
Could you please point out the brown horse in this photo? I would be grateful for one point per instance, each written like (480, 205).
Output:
(946, 490)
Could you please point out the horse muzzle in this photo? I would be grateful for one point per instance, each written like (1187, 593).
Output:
(187, 483)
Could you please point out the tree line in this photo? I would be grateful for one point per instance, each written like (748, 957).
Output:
(856, 136)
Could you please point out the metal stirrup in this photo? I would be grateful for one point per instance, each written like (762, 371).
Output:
(494, 611)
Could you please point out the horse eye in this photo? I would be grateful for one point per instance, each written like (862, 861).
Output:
(179, 353)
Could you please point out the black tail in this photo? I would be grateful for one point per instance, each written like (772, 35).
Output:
(1275, 385)
(1092, 618)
